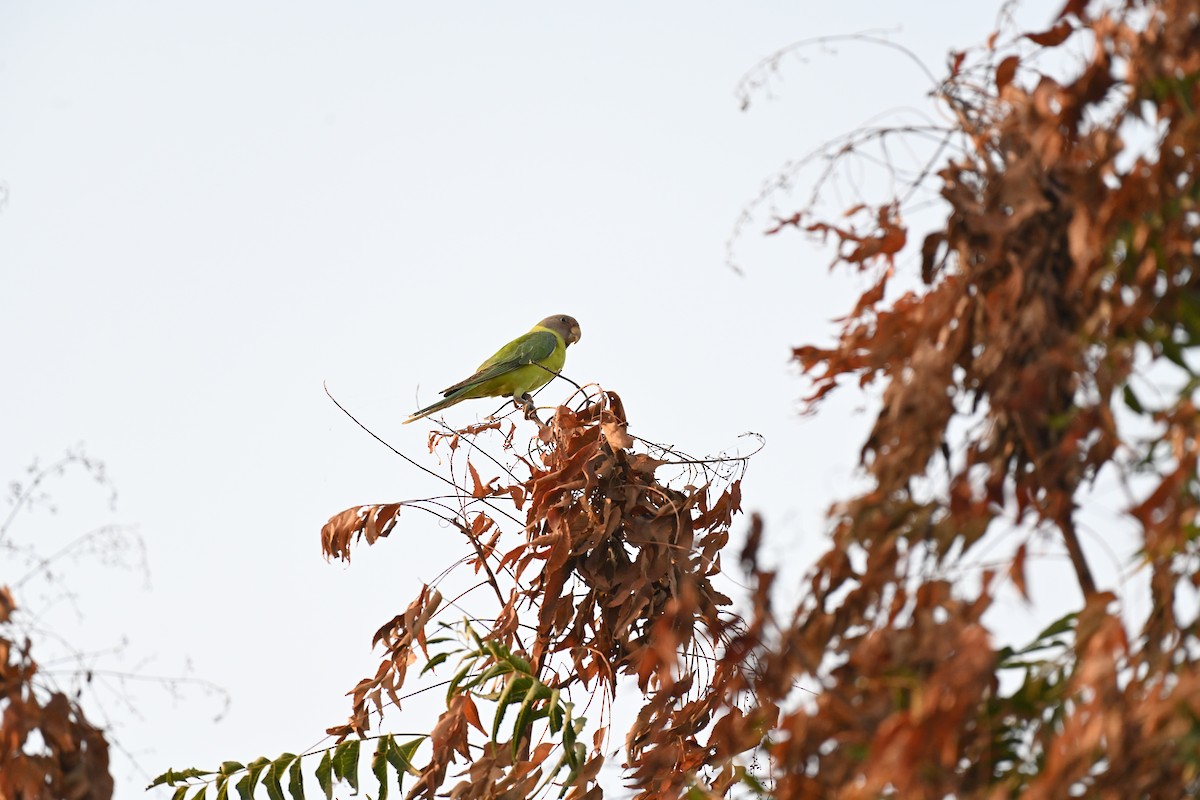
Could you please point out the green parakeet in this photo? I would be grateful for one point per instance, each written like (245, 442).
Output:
(521, 366)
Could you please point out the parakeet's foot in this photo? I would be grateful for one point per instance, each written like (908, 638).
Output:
(525, 403)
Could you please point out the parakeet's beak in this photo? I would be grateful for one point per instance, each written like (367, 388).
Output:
(574, 335)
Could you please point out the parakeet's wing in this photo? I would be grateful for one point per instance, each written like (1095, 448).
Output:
(525, 349)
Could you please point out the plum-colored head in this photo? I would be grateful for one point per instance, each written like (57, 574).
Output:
(565, 326)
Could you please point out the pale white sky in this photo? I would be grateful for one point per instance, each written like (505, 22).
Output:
(213, 208)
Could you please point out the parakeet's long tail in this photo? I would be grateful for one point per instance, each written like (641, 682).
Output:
(456, 397)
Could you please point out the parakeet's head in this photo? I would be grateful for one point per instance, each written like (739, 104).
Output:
(564, 326)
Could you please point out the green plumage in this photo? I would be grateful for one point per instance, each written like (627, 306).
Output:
(522, 366)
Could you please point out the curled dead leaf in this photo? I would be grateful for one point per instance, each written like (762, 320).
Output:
(7, 604)
(616, 435)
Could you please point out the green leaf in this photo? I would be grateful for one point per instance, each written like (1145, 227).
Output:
(296, 780)
(555, 711)
(180, 793)
(579, 751)
(494, 671)
(1060, 625)
(570, 746)
(222, 787)
(517, 686)
(167, 776)
(1132, 401)
(230, 767)
(1174, 353)
(249, 781)
(433, 662)
(452, 689)
(201, 794)
(519, 664)
(496, 650)
(1054, 635)
(524, 719)
(379, 765)
(345, 763)
(478, 641)
(325, 774)
(172, 777)
(400, 756)
(275, 775)
(748, 778)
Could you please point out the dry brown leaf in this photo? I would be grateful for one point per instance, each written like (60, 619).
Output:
(7, 604)
(616, 435)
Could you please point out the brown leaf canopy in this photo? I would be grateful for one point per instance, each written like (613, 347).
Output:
(612, 575)
(1066, 262)
(48, 749)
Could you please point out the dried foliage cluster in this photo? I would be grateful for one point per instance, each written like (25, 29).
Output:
(612, 577)
(48, 749)
(1064, 276)
(599, 570)
(1060, 287)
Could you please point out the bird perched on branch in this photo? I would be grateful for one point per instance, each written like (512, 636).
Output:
(526, 363)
